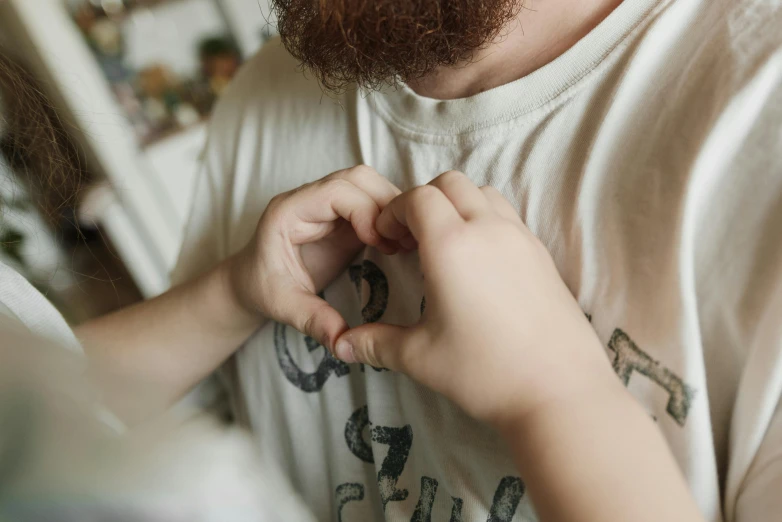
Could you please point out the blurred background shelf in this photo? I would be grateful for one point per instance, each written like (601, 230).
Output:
(134, 82)
(119, 9)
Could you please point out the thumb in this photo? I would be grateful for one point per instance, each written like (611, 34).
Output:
(376, 344)
(313, 316)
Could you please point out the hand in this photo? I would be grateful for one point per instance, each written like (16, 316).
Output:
(502, 337)
(305, 239)
(501, 333)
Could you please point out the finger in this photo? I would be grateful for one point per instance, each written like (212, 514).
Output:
(379, 189)
(462, 192)
(313, 316)
(320, 204)
(379, 345)
(423, 211)
(500, 204)
(370, 181)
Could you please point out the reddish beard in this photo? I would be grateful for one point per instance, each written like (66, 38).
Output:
(371, 43)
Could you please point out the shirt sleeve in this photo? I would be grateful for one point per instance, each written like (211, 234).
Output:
(203, 243)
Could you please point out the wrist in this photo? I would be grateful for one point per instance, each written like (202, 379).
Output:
(558, 426)
(583, 386)
(231, 279)
(586, 448)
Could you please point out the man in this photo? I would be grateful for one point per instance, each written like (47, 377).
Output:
(638, 140)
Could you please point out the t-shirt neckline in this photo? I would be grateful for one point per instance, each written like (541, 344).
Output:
(403, 107)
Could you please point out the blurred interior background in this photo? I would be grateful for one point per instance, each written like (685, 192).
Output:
(131, 84)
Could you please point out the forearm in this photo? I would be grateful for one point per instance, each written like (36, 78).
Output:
(598, 457)
(176, 339)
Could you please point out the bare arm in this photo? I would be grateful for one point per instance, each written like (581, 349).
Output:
(598, 456)
(176, 339)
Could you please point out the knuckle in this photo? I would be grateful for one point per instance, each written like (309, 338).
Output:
(451, 176)
(273, 217)
(277, 200)
(423, 194)
(361, 171)
(371, 353)
(335, 185)
(353, 174)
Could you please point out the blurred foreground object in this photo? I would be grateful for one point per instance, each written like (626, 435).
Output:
(65, 457)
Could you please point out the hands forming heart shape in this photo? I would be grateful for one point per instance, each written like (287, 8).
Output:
(498, 321)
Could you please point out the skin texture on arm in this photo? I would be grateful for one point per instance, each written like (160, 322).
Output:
(586, 449)
(598, 456)
(305, 238)
(177, 339)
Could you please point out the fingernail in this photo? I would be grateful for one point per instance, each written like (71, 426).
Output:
(344, 351)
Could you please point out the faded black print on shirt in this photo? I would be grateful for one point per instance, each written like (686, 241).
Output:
(628, 359)
(399, 441)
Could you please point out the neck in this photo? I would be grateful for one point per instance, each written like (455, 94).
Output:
(541, 32)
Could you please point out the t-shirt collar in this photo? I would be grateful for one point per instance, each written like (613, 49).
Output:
(402, 107)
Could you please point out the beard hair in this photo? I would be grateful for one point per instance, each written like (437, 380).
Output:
(372, 43)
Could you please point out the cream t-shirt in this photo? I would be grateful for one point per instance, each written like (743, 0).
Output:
(647, 158)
